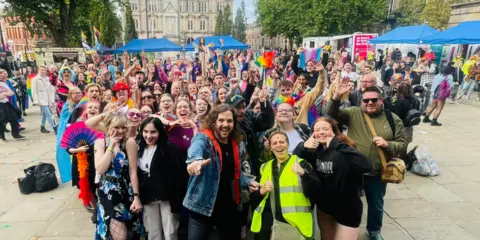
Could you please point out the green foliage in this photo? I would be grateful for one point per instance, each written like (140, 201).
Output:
(103, 17)
(437, 13)
(130, 30)
(218, 24)
(409, 12)
(240, 24)
(297, 19)
(55, 17)
(227, 24)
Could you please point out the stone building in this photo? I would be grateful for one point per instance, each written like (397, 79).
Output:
(257, 40)
(178, 20)
(462, 12)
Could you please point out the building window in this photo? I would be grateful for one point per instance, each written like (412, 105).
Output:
(220, 6)
(187, 6)
(134, 7)
(154, 25)
(190, 25)
(192, 7)
(202, 25)
(136, 23)
(202, 7)
(154, 7)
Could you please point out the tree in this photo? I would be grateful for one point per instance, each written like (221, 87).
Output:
(227, 24)
(130, 31)
(409, 12)
(218, 24)
(240, 25)
(103, 17)
(56, 16)
(437, 13)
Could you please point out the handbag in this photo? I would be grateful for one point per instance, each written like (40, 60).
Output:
(394, 170)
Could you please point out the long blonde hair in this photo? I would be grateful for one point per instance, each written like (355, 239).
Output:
(71, 91)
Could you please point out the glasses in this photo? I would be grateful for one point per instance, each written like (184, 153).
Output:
(135, 114)
(77, 93)
(367, 100)
(158, 95)
(285, 111)
(147, 97)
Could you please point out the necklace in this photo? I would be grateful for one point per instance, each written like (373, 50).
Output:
(148, 157)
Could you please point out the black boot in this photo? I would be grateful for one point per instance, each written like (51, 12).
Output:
(24, 114)
(43, 130)
(18, 136)
(435, 123)
(426, 119)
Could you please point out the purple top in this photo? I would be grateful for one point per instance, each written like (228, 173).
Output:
(181, 137)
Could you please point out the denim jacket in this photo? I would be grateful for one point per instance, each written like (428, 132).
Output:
(202, 190)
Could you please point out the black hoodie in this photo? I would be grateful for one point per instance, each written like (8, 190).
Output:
(340, 169)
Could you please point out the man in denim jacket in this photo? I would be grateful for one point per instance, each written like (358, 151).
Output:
(214, 162)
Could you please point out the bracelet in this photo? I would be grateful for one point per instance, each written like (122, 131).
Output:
(110, 150)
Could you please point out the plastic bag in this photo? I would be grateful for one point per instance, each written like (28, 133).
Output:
(425, 165)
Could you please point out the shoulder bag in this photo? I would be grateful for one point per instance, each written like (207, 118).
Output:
(394, 170)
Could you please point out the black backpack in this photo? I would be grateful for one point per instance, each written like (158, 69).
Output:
(39, 178)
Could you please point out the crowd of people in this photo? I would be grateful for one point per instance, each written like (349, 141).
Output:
(196, 144)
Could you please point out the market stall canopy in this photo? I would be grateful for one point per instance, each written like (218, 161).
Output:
(463, 33)
(216, 43)
(149, 45)
(406, 35)
(102, 49)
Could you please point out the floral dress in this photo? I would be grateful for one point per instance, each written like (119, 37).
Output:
(115, 195)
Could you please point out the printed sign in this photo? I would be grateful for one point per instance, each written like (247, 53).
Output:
(361, 45)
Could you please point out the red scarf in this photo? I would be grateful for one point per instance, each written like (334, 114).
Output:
(236, 156)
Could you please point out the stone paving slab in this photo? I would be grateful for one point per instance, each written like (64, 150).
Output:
(441, 207)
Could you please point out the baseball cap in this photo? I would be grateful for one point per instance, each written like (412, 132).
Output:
(234, 100)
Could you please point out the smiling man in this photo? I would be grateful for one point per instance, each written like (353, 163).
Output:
(213, 194)
(390, 137)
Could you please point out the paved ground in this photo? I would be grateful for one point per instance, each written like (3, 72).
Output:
(443, 207)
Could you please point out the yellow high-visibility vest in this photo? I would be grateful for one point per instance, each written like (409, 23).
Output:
(296, 208)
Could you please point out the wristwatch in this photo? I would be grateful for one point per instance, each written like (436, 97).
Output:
(135, 194)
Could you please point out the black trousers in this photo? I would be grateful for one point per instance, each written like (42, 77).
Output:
(8, 115)
(227, 221)
(21, 102)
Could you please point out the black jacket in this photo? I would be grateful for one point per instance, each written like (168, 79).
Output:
(402, 106)
(311, 77)
(251, 125)
(340, 168)
(156, 185)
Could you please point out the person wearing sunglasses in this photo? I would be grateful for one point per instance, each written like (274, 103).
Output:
(390, 137)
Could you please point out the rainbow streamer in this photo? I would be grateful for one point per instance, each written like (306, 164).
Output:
(29, 84)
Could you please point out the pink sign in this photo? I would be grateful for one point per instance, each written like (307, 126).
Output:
(361, 45)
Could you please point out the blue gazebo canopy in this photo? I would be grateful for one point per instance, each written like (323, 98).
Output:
(406, 35)
(149, 45)
(228, 43)
(463, 33)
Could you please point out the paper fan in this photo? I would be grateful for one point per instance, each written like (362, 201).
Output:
(77, 135)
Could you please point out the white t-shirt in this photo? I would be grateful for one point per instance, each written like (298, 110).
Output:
(293, 139)
(352, 75)
(145, 161)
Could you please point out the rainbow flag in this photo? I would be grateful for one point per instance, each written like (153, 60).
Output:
(29, 84)
(266, 59)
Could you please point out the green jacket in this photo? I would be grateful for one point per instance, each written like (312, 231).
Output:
(359, 132)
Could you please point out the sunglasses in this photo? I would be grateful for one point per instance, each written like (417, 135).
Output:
(367, 100)
(147, 97)
(134, 114)
(158, 95)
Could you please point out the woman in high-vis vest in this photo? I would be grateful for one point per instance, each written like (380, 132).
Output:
(285, 210)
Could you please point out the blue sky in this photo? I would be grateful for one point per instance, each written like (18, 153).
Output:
(249, 9)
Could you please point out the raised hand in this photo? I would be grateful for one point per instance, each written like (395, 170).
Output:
(267, 187)
(342, 87)
(311, 143)
(195, 168)
(297, 169)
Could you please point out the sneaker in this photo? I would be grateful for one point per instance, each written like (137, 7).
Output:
(18, 137)
(375, 237)
(24, 114)
(426, 119)
(435, 123)
(460, 97)
(44, 130)
(21, 129)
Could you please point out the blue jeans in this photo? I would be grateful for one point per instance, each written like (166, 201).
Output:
(46, 116)
(374, 192)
